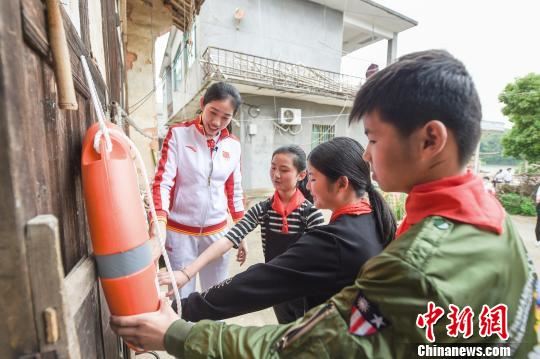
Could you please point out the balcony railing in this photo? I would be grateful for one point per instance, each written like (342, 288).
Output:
(218, 64)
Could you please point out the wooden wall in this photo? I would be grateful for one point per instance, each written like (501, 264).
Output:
(41, 174)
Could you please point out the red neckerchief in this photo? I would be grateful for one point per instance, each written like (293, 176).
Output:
(460, 198)
(357, 208)
(296, 200)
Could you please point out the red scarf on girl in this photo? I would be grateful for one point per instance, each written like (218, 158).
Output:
(357, 208)
(460, 198)
(296, 200)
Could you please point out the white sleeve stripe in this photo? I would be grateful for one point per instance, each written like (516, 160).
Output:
(315, 213)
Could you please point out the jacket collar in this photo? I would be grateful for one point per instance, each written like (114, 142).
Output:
(461, 198)
(199, 126)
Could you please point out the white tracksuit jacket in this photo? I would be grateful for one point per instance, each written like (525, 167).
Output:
(198, 180)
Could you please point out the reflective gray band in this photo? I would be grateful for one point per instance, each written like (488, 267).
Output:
(126, 263)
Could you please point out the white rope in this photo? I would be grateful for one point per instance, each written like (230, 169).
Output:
(124, 114)
(105, 132)
(97, 106)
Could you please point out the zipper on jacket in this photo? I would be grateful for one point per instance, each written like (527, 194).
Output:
(296, 332)
(209, 189)
(211, 171)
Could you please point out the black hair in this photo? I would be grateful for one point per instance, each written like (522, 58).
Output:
(300, 163)
(420, 87)
(222, 91)
(342, 156)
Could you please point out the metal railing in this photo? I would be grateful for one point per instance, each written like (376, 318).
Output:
(218, 64)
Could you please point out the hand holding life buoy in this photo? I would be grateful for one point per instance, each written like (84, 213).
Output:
(145, 331)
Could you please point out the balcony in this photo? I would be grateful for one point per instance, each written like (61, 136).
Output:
(219, 64)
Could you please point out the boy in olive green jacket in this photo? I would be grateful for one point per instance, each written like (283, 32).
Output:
(457, 272)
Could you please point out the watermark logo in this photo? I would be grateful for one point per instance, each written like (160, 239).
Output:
(429, 319)
(491, 321)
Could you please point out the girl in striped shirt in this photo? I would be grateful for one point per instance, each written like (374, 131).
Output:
(283, 218)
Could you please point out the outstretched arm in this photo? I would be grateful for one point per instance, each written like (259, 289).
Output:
(216, 250)
(308, 267)
(232, 239)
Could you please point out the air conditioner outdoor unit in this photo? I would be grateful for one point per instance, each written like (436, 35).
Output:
(290, 116)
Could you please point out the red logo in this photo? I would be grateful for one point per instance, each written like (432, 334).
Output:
(192, 148)
(493, 321)
(490, 321)
(429, 319)
(226, 155)
(460, 321)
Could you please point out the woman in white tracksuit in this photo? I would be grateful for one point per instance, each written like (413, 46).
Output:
(198, 182)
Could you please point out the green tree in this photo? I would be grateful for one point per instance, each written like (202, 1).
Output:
(522, 107)
(491, 150)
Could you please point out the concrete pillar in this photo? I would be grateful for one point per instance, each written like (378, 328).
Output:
(391, 52)
(146, 20)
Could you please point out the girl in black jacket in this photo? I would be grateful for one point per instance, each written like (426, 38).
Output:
(323, 260)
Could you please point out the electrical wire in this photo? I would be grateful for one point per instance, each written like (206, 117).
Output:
(141, 101)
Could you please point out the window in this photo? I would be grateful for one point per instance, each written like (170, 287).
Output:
(321, 133)
(177, 70)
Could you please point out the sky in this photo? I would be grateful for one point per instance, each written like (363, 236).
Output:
(498, 41)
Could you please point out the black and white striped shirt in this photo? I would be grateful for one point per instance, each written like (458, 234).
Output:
(255, 216)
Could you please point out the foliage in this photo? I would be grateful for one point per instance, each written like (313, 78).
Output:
(516, 204)
(522, 107)
(529, 169)
(491, 151)
(396, 201)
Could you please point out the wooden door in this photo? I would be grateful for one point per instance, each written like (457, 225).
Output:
(50, 302)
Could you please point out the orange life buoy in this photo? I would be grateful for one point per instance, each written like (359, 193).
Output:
(117, 225)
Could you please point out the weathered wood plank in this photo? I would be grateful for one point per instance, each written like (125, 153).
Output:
(43, 159)
(47, 282)
(35, 34)
(88, 327)
(85, 23)
(16, 316)
(64, 132)
(34, 137)
(79, 283)
(111, 45)
(111, 343)
(34, 27)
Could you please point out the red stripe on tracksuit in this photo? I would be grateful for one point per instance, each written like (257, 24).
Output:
(156, 190)
(229, 191)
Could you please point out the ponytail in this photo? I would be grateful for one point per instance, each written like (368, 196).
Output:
(302, 186)
(343, 156)
(384, 218)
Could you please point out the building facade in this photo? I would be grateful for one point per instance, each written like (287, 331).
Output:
(285, 57)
